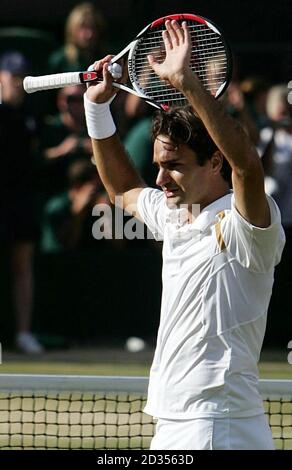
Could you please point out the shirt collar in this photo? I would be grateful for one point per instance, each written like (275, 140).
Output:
(208, 214)
(178, 217)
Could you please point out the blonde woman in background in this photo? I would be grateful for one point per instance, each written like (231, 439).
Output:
(84, 32)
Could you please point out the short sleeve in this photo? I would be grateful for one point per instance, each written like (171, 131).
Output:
(258, 249)
(151, 208)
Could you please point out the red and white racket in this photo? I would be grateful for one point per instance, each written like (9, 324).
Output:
(210, 60)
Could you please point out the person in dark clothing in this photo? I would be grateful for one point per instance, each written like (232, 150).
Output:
(18, 226)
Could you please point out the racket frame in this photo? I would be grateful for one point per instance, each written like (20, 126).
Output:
(132, 48)
(90, 76)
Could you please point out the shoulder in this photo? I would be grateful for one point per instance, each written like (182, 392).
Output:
(275, 214)
(57, 203)
(266, 134)
(57, 56)
(151, 206)
(58, 62)
(142, 128)
(152, 197)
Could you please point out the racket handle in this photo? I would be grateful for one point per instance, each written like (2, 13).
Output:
(48, 82)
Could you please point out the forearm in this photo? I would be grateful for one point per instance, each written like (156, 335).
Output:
(227, 134)
(66, 147)
(225, 131)
(237, 148)
(54, 152)
(114, 167)
(115, 170)
(249, 125)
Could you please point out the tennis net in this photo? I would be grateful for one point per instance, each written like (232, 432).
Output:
(87, 412)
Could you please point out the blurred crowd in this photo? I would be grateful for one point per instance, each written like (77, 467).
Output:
(50, 184)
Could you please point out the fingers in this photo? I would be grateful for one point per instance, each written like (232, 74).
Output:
(107, 77)
(152, 62)
(167, 40)
(186, 32)
(174, 35)
(98, 65)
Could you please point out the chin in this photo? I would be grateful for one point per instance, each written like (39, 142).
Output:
(173, 202)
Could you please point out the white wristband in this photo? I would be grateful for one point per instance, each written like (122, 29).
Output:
(100, 123)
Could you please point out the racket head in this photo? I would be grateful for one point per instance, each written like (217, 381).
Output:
(211, 60)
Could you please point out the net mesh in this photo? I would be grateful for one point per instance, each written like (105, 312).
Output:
(79, 415)
(208, 60)
(277, 397)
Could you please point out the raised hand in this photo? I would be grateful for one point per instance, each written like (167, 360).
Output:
(178, 45)
(102, 91)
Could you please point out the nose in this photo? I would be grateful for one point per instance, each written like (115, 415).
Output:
(163, 177)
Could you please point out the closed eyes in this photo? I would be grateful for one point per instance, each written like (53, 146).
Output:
(167, 165)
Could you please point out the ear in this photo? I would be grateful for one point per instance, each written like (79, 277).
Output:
(216, 162)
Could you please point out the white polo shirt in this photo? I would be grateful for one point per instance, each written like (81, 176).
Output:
(217, 277)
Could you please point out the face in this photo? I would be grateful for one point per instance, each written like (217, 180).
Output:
(71, 101)
(12, 88)
(179, 175)
(282, 111)
(85, 35)
(283, 116)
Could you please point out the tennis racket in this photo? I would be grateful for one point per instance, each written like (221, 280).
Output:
(210, 60)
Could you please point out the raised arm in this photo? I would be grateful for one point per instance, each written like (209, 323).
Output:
(118, 175)
(230, 138)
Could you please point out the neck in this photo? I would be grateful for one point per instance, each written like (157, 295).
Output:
(194, 210)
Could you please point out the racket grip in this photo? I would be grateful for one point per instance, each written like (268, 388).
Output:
(48, 82)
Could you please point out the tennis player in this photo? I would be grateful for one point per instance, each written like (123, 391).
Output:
(218, 263)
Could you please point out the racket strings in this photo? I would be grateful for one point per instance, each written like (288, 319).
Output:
(208, 61)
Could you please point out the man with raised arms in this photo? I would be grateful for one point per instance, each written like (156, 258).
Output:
(218, 264)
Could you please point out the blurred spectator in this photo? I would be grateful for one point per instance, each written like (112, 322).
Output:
(137, 140)
(64, 139)
(236, 104)
(67, 222)
(18, 228)
(255, 90)
(84, 32)
(72, 279)
(276, 149)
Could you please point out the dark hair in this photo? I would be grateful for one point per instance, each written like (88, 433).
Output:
(182, 126)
